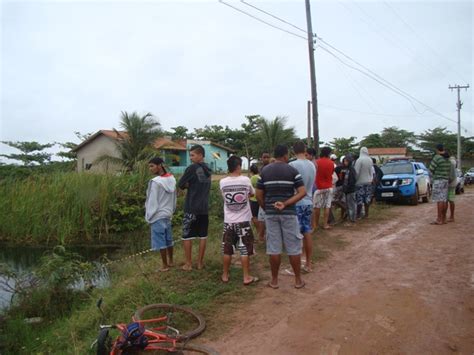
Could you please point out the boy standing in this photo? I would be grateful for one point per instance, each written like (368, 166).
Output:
(159, 206)
(197, 180)
(440, 167)
(237, 234)
(304, 207)
(323, 195)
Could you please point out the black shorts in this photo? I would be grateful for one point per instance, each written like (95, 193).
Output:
(195, 226)
(254, 207)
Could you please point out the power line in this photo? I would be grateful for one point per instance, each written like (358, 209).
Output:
(370, 74)
(449, 66)
(262, 21)
(274, 16)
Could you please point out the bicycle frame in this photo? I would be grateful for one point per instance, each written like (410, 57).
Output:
(156, 340)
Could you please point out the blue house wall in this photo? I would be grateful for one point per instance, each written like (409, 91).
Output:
(215, 157)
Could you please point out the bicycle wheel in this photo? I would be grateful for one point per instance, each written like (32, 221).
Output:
(190, 349)
(188, 322)
(104, 342)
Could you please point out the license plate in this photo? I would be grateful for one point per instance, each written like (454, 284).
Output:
(387, 194)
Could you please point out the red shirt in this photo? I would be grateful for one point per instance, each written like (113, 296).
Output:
(324, 171)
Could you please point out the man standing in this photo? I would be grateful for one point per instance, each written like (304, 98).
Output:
(364, 168)
(236, 190)
(323, 195)
(276, 195)
(197, 180)
(304, 207)
(440, 167)
(159, 208)
(453, 181)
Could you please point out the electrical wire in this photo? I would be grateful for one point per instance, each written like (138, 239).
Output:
(262, 21)
(369, 73)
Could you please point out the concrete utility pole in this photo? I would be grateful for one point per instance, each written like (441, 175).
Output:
(308, 140)
(314, 95)
(459, 105)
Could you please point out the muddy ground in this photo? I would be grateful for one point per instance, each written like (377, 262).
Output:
(400, 286)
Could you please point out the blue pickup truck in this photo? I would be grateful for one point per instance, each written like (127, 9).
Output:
(404, 180)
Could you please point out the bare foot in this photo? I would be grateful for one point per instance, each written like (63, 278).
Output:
(225, 278)
(170, 264)
(164, 268)
(450, 219)
(200, 266)
(327, 227)
(187, 267)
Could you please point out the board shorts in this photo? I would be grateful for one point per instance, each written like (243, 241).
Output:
(323, 198)
(451, 193)
(195, 226)
(283, 231)
(161, 234)
(304, 214)
(364, 194)
(440, 190)
(237, 236)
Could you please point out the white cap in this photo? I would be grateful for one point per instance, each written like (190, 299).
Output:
(333, 157)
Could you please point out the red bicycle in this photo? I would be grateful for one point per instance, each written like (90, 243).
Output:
(154, 328)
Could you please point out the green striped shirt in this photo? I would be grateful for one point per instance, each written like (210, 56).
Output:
(440, 167)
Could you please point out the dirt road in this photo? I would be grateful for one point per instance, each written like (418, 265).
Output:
(400, 286)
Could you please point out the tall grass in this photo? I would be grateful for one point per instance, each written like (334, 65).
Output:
(72, 208)
(67, 207)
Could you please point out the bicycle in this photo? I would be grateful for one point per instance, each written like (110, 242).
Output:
(164, 337)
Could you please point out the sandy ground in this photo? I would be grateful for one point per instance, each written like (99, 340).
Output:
(400, 287)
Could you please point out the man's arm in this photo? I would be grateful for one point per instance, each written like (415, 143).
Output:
(300, 193)
(260, 194)
(183, 182)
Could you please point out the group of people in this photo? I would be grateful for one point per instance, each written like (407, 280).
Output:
(283, 200)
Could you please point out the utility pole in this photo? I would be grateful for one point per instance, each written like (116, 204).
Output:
(308, 140)
(459, 105)
(314, 95)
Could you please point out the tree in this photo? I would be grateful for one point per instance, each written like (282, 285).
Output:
(135, 145)
(342, 146)
(373, 140)
(428, 140)
(274, 132)
(68, 154)
(394, 137)
(180, 132)
(249, 147)
(31, 152)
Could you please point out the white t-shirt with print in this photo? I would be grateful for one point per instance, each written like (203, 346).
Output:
(235, 191)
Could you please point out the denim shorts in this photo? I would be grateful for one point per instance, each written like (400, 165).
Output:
(304, 214)
(161, 234)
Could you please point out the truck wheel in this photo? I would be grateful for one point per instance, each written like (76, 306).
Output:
(415, 198)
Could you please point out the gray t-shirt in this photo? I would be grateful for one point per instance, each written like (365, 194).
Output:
(307, 171)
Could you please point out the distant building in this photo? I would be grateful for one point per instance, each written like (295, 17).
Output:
(381, 155)
(175, 153)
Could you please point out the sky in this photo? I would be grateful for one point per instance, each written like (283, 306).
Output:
(71, 66)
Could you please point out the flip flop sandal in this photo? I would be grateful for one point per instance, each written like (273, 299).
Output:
(272, 286)
(254, 279)
(301, 285)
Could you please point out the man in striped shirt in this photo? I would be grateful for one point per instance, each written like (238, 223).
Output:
(276, 195)
(440, 168)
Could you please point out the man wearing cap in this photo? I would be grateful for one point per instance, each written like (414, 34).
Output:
(440, 168)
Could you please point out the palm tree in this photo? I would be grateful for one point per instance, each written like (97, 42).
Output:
(135, 144)
(274, 132)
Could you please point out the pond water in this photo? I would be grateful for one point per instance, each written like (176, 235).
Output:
(22, 259)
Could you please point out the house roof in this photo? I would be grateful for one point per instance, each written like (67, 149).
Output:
(106, 132)
(168, 144)
(388, 151)
(223, 147)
